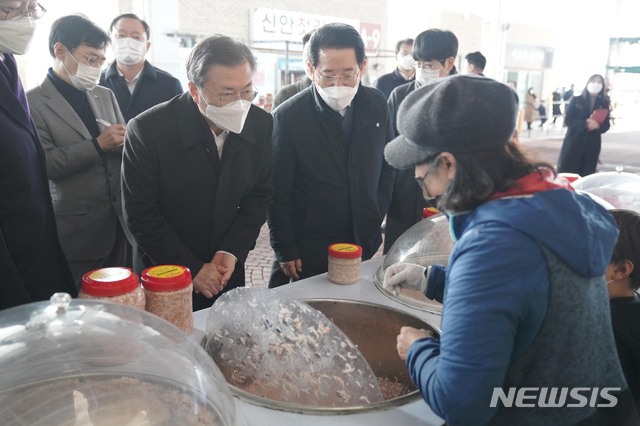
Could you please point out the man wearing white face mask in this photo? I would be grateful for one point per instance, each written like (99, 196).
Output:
(137, 84)
(196, 173)
(82, 132)
(32, 264)
(331, 181)
(434, 52)
(404, 71)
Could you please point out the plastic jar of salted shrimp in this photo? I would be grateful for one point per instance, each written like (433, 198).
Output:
(168, 290)
(116, 284)
(344, 263)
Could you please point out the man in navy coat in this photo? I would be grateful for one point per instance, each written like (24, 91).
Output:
(32, 264)
(330, 178)
(137, 84)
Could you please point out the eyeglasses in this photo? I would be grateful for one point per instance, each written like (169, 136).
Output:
(12, 14)
(247, 95)
(420, 179)
(432, 163)
(349, 78)
(94, 60)
(429, 65)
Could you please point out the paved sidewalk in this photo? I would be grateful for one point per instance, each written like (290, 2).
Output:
(258, 265)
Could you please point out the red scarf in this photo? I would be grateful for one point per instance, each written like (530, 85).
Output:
(532, 183)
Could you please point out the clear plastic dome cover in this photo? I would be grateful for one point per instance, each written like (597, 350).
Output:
(620, 189)
(428, 242)
(84, 362)
(278, 348)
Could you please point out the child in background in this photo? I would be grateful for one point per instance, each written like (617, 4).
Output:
(623, 280)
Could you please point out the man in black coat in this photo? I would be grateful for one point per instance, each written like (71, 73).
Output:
(435, 52)
(331, 181)
(197, 171)
(404, 71)
(32, 264)
(137, 84)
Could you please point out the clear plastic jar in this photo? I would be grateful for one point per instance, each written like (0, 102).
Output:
(168, 290)
(344, 263)
(118, 285)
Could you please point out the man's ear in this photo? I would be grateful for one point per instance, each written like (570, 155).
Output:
(59, 50)
(623, 269)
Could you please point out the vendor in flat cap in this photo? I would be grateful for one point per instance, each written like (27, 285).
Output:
(525, 303)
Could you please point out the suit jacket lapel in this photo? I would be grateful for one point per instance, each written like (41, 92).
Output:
(59, 106)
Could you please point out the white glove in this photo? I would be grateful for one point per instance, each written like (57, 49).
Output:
(405, 275)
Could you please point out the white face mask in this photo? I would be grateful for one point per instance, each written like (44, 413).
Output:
(424, 76)
(594, 87)
(86, 76)
(230, 117)
(338, 97)
(129, 51)
(16, 35)
(406, 62)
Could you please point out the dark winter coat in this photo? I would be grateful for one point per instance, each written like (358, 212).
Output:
(32, 264)
(328, 188)
(581, 149)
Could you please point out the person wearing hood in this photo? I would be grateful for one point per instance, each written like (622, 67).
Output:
(32, 263)
(137, 84)
(404, 72)
(435, 53)
(525, 307)
(587, 118)
(196, 172)
(82, 132)
(331, 182)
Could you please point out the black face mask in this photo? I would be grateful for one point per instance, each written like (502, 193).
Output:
(433, 202)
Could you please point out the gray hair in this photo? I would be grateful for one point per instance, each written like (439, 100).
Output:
(217, 50)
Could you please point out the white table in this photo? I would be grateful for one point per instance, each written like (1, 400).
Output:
(319, 287)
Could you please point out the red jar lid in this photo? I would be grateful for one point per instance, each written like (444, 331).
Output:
(109, 282)
(345, 251)
(429, 211)
(166, 278)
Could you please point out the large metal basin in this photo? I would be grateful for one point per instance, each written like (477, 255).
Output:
(373, 328)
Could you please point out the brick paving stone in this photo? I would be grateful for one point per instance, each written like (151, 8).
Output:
(258, 264)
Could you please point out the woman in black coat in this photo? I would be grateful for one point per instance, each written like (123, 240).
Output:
(581, 146)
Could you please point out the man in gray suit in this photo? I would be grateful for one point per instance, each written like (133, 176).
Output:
(82, 132)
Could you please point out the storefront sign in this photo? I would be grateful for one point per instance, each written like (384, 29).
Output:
(284, 25)
(525, 57)
(370, 34)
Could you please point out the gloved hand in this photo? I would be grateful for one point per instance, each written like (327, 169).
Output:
(405, 275)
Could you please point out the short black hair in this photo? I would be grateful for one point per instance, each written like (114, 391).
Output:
(628, 243)
(336, 36)
(407, 41)
(131, 16)
(216, 50)
(74, 30)
(435, 44)
(306, 37)
(477, 59)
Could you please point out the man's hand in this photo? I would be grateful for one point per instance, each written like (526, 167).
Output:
(407, 336)
(209, 280)
(226, 264)
(292, 268)
(112, 138)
